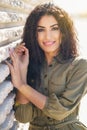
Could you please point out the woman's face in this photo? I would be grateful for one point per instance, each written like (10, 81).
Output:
(48, 34)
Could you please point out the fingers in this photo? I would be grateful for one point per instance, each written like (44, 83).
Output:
(14, 58)
(9, 65)
(26, 50)
(21, 49)
(19, 56)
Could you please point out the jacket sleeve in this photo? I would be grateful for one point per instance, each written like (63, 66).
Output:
(60, 107)
(26, 112)
(23, 112)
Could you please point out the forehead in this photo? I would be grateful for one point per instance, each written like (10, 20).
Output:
(47, 20)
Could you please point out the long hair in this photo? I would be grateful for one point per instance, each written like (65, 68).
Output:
(68, 47)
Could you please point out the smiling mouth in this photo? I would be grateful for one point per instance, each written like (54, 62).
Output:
(48, 43)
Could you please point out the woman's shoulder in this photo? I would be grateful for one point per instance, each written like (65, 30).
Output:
(80, 62)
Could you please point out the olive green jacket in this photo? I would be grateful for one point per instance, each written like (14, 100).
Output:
(64, 83)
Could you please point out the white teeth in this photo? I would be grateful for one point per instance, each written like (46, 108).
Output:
(48, 43)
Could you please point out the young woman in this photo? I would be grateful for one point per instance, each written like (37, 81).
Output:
(50, 77)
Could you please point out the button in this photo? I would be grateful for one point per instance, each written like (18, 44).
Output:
(48, 117)
(32, 80)
(46, 89)
(50, 65)
(45, 75)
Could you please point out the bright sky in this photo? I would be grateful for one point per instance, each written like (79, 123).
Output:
(72, 6)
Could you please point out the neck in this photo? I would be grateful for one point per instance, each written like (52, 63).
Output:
(49, 57)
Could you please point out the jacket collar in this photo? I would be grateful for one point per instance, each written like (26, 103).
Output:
(60, 59)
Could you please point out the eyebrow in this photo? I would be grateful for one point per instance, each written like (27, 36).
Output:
(50, 26)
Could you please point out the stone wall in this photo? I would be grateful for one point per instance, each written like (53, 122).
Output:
(13, 14)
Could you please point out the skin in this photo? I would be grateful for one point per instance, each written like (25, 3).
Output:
(49, 39)
(49, 36)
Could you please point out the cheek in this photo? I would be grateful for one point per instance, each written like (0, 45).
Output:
(56, 34)
(60, 38)
(39, 37)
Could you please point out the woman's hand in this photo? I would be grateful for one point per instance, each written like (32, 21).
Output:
(18, 68)
(23, 55)
(26, 94)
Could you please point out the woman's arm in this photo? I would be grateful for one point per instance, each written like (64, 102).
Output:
(18, 70)
(20, 50)
(33, 96)
(21, 99)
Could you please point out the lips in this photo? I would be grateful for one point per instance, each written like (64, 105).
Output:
(48, 43)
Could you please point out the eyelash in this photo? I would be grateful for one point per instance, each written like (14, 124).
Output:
(53, 29)
(40, 30)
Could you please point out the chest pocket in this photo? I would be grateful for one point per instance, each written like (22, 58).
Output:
(57, 84)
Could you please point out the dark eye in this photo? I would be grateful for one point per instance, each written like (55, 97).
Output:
(40, 30)
(55, 28)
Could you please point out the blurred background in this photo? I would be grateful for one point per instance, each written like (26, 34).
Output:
(78, 11)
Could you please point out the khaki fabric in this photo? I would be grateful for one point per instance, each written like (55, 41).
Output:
(64, 83)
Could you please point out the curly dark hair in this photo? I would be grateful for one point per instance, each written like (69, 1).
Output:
(68, 47)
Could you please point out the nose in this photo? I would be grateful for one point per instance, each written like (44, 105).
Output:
(48, 35)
